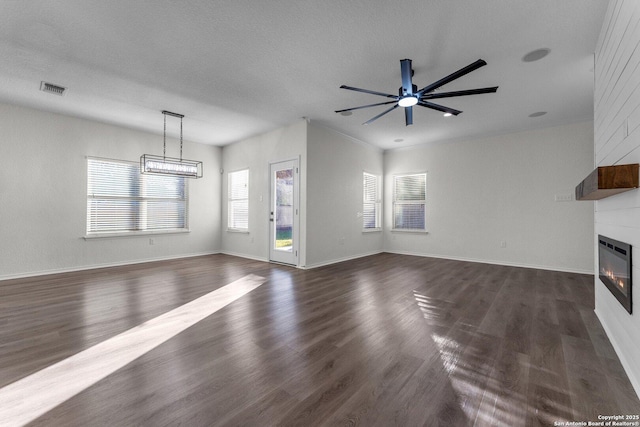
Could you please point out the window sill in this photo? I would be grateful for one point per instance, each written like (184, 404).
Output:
(236, 230)
(133, 234)
(372, 230)
(400, 230)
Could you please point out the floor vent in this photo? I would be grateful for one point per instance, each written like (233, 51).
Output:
(51, 88)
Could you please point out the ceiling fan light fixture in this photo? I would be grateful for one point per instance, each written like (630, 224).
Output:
(409, 95)
(408, 101)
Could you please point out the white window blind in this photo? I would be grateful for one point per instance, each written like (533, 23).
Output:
(122, 200)
(409, 202)
(238, 216)
(372, 203)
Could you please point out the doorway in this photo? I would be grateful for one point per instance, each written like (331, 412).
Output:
(283, 218)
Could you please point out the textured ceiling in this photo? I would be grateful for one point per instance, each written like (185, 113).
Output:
(238, 68)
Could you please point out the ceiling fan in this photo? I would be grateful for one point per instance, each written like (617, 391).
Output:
(409, 95)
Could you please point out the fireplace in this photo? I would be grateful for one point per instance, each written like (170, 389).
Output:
(614, 260)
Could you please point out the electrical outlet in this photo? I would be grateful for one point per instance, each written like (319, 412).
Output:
(503, 244)
(152, 242)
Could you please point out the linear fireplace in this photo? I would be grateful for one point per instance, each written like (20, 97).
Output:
(614, 260)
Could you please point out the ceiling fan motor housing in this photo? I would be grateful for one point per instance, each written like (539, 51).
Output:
(402, 93)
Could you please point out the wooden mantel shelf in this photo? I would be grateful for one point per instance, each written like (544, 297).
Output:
(606, 181)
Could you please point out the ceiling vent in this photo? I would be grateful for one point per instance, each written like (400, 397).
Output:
(51, 88)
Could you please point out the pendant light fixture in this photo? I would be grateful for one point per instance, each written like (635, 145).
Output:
(163, 165)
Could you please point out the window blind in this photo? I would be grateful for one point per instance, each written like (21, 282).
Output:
(122, 200)
(409, 201)
(372, 203)
(238, 207)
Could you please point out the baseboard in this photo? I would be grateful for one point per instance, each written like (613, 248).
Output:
(251, 257)
(337, 260)
(635, 382)
(105, 265)
(315, 265)
(492, 262)
(307, 267)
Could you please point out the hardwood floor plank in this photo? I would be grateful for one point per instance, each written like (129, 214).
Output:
(505, 399)
(427, 398)
(517, 337)
(597, 335)
(590, 393)
(548, 404)
(581, 352)
(547, 358)
(545, 312)
(367, 406)
(623, 394)
(270, 407)
(570, 321)
(472, 376)
(496, 320)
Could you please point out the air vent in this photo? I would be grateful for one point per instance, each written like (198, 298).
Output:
(51, 88)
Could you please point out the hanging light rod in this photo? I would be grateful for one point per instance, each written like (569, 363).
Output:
(169, 113)
(163, 165)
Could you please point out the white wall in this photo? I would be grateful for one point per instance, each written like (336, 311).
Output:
(484, 191)
(334, 196)
(43, 195)
(617, 141)
(330, 192)
(256, 153)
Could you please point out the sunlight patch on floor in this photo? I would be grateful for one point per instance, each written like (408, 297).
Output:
(28, 398)
(449, 352)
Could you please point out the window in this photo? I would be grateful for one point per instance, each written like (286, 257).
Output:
(372, 203)
(409, 202)
(122, 200)
(238, 216)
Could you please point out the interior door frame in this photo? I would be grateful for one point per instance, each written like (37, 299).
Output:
(296, 216)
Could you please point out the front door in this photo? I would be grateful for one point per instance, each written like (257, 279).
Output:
(283, 225)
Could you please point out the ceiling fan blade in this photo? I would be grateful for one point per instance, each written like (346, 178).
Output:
(459, 93)
(372, 92)
(408, 116)
(366, 106)
(380, 115)
(451, 77)
(439, 107)
(405, 71)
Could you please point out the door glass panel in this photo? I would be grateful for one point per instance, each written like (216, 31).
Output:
(284, 210)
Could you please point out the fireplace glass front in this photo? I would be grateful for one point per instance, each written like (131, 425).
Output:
(614, 260)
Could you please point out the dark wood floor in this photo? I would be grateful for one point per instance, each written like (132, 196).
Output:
(383, 340)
